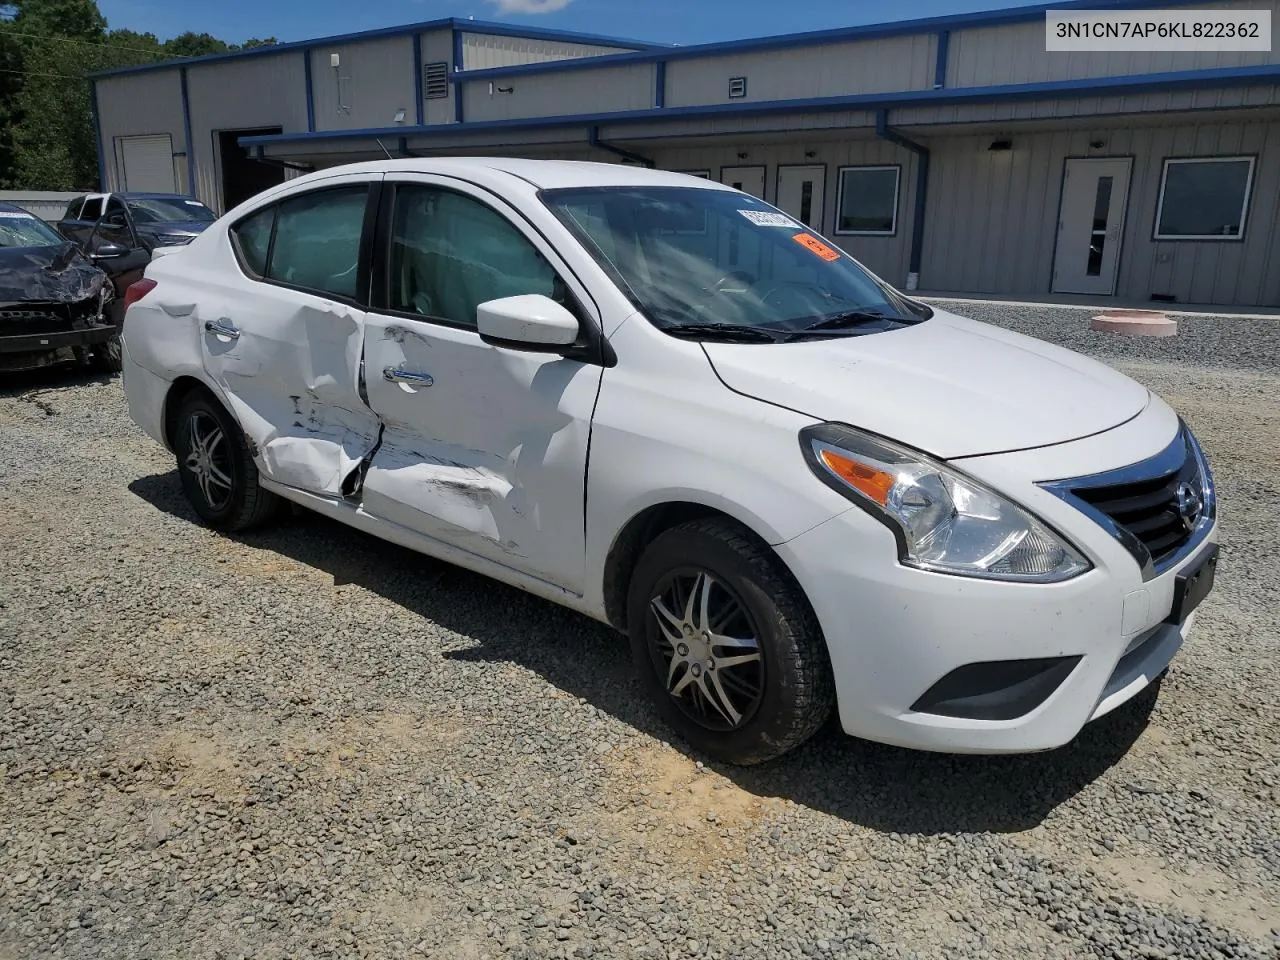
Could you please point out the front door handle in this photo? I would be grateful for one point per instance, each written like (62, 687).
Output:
(400, 375)
(223, 328)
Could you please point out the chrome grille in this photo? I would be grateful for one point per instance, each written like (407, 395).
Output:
(1159, 509)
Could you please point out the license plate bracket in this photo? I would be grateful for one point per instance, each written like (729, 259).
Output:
(1193, 585)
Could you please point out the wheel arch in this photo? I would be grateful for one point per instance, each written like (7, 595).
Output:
(646, 526)
(178, 391)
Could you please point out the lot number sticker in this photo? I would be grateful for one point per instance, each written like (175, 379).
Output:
(762, 218)
(812, 243)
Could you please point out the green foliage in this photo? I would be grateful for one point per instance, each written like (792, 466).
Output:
(48, 48)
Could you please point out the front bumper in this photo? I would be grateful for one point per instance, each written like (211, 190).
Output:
(32, 351)
(896, 633)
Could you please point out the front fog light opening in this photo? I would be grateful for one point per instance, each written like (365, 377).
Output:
(944, 521)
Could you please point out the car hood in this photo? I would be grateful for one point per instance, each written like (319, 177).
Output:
(58, 274)
(950, 386)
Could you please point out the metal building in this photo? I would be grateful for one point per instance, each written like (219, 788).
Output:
(950, 154)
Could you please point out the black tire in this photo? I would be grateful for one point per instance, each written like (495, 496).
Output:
(108, 356)
(240, 503)
(796, 692)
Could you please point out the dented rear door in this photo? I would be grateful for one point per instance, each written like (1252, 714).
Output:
(482, 448)
(283, 335)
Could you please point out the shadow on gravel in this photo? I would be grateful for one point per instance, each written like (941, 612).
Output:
(879, 787)
(50, 378)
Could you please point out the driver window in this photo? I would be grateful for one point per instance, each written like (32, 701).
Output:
(450, 253)
(114, 225)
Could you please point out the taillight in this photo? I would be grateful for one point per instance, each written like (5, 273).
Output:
(137, 290)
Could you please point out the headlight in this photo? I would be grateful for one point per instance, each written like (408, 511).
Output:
(944, 521)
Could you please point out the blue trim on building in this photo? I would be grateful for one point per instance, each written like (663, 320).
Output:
(660, 84)
(420, 109)
(459, 65)
(97, 133)
(186, 132)
(875, 31)
(311, 92)
(940, 66)
(1066, 89)
(449, 23)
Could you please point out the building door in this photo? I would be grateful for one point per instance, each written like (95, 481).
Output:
(146, 164)
(801, 193)
(747, 179)
(1091, 225)
(243, 177)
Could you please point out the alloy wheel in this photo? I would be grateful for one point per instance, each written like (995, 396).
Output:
(704, 642)
(209, 459)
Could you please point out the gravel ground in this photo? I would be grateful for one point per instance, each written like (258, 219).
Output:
(308, 743)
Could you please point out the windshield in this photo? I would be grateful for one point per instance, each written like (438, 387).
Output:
(168, 210)
(20, 229)
(692, 257)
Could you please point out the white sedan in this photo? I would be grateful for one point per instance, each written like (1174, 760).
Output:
(666, 404)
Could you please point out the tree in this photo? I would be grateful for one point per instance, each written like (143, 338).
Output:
(48, 48)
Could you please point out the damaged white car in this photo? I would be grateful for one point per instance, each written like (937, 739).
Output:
(668, 405)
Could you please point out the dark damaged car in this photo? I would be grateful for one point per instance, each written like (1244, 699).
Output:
(57, 303)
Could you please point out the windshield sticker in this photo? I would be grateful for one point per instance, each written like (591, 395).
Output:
(762, 218)
(14, 215)
(810, 242)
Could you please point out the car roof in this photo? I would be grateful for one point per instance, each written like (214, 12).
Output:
(543, 174)
(151, 196)
(13, 208)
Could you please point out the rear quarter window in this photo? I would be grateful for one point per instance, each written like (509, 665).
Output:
(252, 240)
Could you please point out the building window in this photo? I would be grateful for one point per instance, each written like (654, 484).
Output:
(1204, 198)
(737, 88)
(435, 81)
(868, 201)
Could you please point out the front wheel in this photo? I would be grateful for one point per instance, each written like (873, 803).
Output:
(108, 356)
(726, 643)
(219, 476)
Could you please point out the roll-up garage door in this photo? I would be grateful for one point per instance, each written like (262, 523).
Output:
(146, 164)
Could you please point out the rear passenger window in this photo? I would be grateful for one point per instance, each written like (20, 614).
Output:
(252, 238)
(92, 209)
(317, 241)
(73, 209)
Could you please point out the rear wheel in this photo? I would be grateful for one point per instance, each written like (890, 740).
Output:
(726, 643)
(219, 476)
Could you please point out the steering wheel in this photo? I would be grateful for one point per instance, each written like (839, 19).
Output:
(766, 296)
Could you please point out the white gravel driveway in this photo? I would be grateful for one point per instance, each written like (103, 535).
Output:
(308, 743)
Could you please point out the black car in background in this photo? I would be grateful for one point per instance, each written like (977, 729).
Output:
(146, 220)
(58, 303)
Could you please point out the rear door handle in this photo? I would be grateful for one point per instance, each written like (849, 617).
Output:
(400, 375)
(223, 328)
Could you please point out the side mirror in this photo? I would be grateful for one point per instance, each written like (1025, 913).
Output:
(109, 251)
(531, 322)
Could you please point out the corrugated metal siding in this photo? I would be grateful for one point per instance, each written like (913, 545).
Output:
(747, 126)
(629, 87)
(437, 47)
(140, 105)
(1144, 103)
(870, 66)
(242, 95)
(887, 257)
(46, 204)
(373, 81)
(482, 51)
(989, 56)
(993, 216)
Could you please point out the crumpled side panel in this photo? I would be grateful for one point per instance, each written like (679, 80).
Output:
(292, 377)
(473, 502)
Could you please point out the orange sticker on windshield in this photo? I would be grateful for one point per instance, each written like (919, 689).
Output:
(810, 242)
